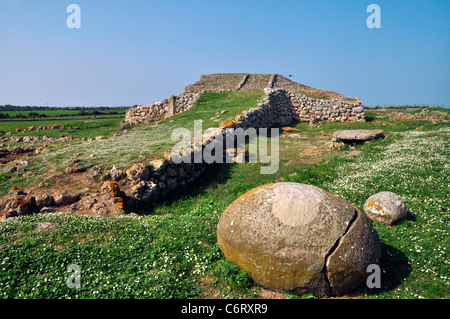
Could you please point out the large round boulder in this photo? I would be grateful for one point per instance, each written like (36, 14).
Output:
(299, 238)
(385, 207)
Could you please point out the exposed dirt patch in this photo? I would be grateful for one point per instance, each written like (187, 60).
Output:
(270, 294)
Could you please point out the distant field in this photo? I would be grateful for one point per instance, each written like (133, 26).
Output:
(89, 127)
(408, 109)
(63, 112)
(60, 112)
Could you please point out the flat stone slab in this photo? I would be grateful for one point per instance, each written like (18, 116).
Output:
(357, 135)
(45, 226)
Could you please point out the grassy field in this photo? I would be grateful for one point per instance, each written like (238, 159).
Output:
(172, 251)
(62, 112)
(138, 144)
(88, 127)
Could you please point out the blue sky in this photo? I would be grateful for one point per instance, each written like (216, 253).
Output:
(140, 52)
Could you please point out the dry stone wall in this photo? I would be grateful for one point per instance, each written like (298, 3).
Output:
(160, 110)
(281, 108)
(274, 110)
(218, 83)
(309, 109)
(305, 103)
(155, 180)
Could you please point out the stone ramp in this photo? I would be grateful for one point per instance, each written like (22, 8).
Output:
(216, 82)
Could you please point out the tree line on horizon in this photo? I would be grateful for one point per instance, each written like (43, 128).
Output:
(31, 111)
(10, 107)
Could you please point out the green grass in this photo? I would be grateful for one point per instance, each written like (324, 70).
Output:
(140, 143)
(172, 252)
(151, 142)
(414, 165)
(118, 257)
(89, 127)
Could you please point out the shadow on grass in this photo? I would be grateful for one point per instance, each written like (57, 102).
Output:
(410, 216)
(395, 267)
(214, 174)
(370, 119)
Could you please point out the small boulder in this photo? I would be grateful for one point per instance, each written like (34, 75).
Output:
(146, 191)
(45, 226)
(62, 199)
(117, 174)
(385, 207)
(15, 191)
(110, 187)
(226, 124)
(44, 200)
(138, 172)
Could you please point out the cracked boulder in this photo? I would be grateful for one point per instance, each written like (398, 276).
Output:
(299, 238)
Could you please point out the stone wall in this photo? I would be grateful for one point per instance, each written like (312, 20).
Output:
(278, 108)
(155, 180)
(274, 110)
(160, 110)
(218, 83)
(309, 109)
(133, 188)
(306, 103)
(256, 82)
(281, 108)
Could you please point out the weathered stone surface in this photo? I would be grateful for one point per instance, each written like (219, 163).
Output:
(116, 173)
(110, 187)
(15, 191)
(385, 207)
(146, 191)
(138, 171)
(357, 135)
(156, 111)
(290, 236)
(347, 264)
(65, 198)
(44, 200)
(45, 226)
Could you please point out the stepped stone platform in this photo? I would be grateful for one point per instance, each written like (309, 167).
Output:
(258, 82)
(299, 102)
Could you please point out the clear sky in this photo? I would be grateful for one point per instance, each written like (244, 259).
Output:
(143, 51)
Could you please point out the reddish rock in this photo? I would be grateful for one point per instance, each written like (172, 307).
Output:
(289, 129)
